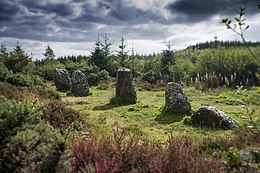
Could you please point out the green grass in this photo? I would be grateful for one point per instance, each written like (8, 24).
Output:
(146, 118)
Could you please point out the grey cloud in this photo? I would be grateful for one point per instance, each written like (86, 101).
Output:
(81, 20)
(60, 9)
(119, 10)
(8, 10)
(200, 10)
(76, 20)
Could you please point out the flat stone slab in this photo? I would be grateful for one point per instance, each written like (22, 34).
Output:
(212, 117)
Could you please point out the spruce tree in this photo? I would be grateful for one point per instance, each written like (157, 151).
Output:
(49, 54)
(122, 54)
(19, 60)
(101, 55)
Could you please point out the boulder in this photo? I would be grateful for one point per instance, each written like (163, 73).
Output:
(212, 117)
(124, 88)
(80, 85)
(176, 101)
(62, 80)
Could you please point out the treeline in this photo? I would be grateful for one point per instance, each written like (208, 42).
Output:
(203, 67)
(226, 44)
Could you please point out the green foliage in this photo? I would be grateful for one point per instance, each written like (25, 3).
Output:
(49, 54)
(168, 58)
(254, 117)
(102, 54)
(72, 65)
(27, 144)
(151, 70)
(217, 67)
(28, 80)
(4, 72)
(46, 67)
(182, 70)
(18, 61)
(13, 115)
(122, 54)
(150, 77)
(3, 51)
(95, 75)
(234, 159)
(239, 27)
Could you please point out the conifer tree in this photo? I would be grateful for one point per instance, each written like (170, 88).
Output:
(100, 56)
(49, 54)
(122, 53)
(19, 60)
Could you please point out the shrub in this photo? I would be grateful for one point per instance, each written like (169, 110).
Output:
(61, 117)
(3, 72)
(19, 62)
(46, 67)
(14, 114)
(28, 80)
(103, 75)
(27, 144)
(95, 75)
(122, 154)
(150, 77)
(21, 93)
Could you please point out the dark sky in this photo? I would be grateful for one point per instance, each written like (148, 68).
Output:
(71, 26)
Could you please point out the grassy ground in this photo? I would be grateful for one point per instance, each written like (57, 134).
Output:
(145, 118)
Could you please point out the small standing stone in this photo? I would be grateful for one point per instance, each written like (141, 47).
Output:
(62, 80)
(176, 101)
(80, 85)
(212, 117)
(124, 88)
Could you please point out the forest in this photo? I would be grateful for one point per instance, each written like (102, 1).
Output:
(47, 130)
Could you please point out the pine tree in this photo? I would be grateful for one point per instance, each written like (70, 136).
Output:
(49, 54)
(167, 59)
(122, 54)
(168, 56)
(3, 51)
(100, 56)
(19, 60)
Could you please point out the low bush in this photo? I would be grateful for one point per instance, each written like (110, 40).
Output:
(150, 77)
(95, 75)
(28, 80)
(28, 144)
(123, 154)
(31, 94)
(61, 117)
(4, 73)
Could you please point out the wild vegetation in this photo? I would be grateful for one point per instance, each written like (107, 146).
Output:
(43, 130)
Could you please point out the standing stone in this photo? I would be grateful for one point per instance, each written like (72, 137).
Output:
(124, 88)
(80, 85)
(212, 117)
(176, 101)
(62, 80)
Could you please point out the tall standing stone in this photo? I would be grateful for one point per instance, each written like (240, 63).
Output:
(62, 80)
(80, 85)
(124, 88)
(176, 101)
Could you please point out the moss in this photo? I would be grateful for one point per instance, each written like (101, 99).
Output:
(146, 116)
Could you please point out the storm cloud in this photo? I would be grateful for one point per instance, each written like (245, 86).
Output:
(200, 10)
(75, 21)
